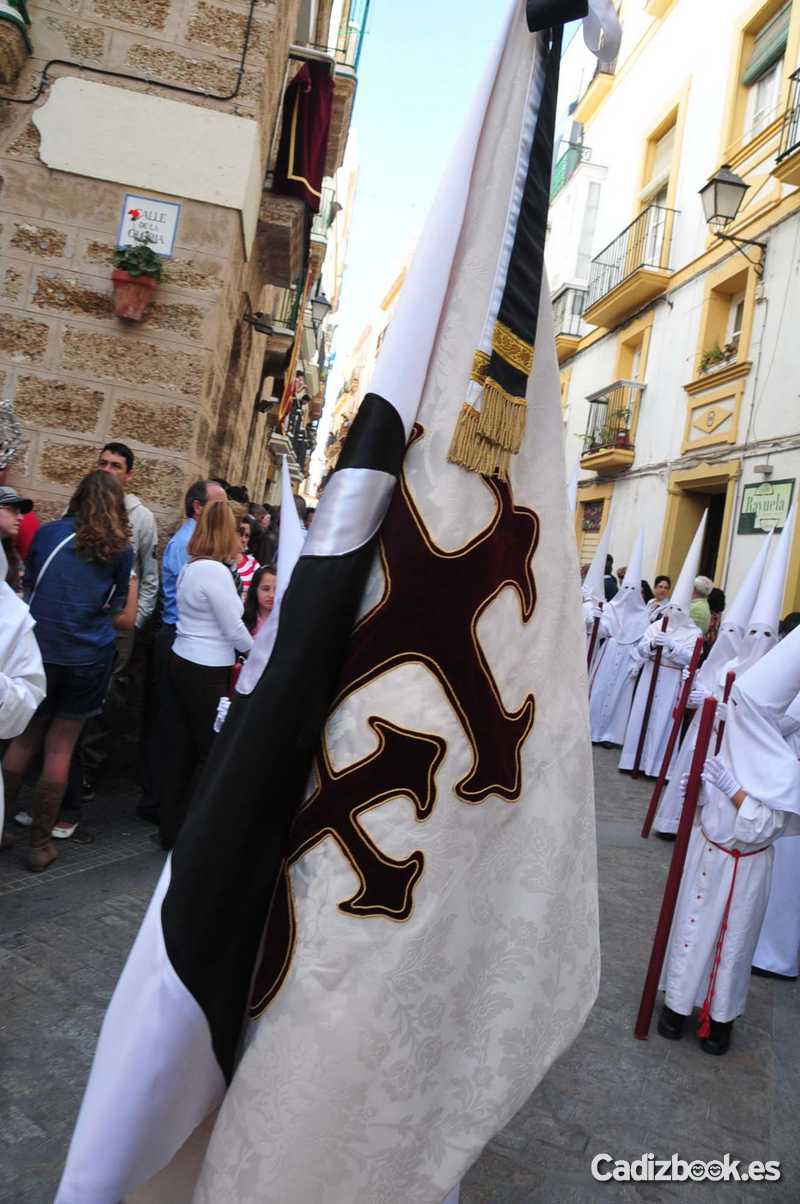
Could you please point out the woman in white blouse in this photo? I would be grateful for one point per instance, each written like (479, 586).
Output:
(209, 634)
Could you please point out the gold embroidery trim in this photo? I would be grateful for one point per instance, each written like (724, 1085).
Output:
(492, 386)
(514, 350)
(480, 366)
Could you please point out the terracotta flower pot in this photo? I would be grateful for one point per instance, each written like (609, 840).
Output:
(132, 294)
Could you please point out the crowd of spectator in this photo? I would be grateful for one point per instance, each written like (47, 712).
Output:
(81, 594)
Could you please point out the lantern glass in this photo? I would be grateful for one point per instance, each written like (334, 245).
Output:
(320, 308)
(722, 197)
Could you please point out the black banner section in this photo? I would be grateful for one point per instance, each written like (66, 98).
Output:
(545, 14)
(376, 439)
(519, 308)
(230, 852)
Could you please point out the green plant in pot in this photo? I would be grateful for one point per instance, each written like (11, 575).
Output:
(137, 272)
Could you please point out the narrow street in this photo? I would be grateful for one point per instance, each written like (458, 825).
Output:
(64, 936)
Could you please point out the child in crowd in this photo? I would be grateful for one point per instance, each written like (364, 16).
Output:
(260, 600)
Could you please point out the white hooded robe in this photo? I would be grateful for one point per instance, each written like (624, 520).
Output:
(615, 669)
(22, 680)
(683, 633)
(766, 769)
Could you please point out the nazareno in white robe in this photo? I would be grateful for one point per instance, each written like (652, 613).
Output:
(668, 688)
(778, 947)
(761, 763)
(22, 680)
(613, 677)
(711, 680)
(704, 889)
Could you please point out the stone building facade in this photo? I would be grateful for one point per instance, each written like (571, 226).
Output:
(179, 100)
(679, 367)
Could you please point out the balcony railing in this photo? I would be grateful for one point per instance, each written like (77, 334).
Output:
(790, 131)
(612, 414)
(350, 39)
(285, 312)
(321, 221)
(567, 310)
(645, 243)
(566, 166)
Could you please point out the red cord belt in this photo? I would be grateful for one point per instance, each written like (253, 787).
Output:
(704, 1018)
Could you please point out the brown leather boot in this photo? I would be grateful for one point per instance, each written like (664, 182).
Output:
(12, 783)
(44, 809)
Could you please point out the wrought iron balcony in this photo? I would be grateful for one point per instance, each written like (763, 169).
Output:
(631, 270)
(787, 166)
(568, 306)
(613, 413)
(566, 166)
(320, 226)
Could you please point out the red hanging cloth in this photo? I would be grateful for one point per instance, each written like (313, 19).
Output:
(307, 107)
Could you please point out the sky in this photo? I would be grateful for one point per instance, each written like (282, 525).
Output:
(420, 64)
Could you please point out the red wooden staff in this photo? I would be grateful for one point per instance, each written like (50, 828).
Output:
(730, 678)
(648, 706)
(593, 641)
(677, 720)
(647, 1003)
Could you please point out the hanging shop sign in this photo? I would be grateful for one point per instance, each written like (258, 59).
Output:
(765, 507)
(145, 220)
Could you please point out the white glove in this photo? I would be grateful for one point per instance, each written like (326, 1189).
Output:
(223, 706)
(685, 673)
(662, 640)
(716, 773)
(721, 713)
(697, 697)
(684, 786)
(597, 611)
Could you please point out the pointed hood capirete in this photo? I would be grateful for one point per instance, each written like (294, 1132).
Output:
(726, 646)
(762, 629)
(767, 610)
(761, 760)
(677, 609)
(593, 587)
(627, 616)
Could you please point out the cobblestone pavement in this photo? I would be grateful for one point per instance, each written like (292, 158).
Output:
(64, 936)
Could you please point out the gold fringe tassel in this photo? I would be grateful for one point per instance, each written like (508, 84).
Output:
(465, 444)
(502, 417)
(472, 451)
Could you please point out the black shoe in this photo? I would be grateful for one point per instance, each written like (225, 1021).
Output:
(718, 1041)
(670, 1024)
(87, 790)
(607, 744)
(667, 835)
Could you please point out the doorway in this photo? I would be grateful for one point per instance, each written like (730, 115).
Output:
(691, 493)
(709, 557)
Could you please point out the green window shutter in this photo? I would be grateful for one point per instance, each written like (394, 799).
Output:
(769, 46)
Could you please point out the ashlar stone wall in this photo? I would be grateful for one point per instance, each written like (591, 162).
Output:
(78, 375)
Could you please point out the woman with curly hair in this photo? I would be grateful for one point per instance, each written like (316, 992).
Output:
(79, 586)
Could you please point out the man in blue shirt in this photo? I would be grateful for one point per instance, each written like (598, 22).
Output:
(175, 553)
(175, 557)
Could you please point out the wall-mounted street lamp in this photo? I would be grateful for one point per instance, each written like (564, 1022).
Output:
(722, 199)
(320, 308)
(261, 323)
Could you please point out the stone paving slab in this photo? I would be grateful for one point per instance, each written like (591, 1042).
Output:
(64, 936)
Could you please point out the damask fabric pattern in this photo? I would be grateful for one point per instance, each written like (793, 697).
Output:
(407, 1030)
